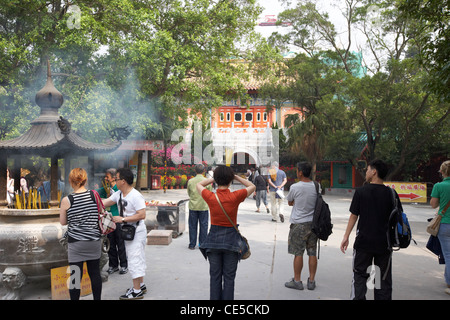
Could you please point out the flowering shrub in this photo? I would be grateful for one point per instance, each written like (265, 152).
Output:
(182, 169)
(184, 180)
(291, 171)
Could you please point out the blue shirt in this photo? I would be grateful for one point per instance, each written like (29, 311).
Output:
(281, 175)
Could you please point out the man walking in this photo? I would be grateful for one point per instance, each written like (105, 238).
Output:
(371, 206)
(198, 209)
(277, 180)
(302, 197)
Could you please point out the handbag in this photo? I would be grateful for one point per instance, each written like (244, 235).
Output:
(127, 230)
(435, 223)
(105, 218)
(244, 247)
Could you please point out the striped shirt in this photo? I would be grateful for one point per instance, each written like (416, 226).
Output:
(82, 218)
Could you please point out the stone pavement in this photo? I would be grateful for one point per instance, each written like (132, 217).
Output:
(176, 273)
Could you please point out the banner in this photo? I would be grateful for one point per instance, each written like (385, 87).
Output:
(410, 191)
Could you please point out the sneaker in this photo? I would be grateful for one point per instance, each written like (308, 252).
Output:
(447, 291)
(144, 288)
(294, 284)
(123, 270)
(112, 270)
(311, 285)
(131, 295)
(268, 211)
(281, 218)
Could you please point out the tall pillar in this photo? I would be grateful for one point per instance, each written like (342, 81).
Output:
(3, 182)
(54, 182)
(67, 187)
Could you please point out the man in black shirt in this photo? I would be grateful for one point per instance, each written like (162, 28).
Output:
(372, 204)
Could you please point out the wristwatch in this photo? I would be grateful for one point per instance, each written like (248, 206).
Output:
(123, 219)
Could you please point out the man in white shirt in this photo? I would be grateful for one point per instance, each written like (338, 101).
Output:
(131, 206)
(302, 197)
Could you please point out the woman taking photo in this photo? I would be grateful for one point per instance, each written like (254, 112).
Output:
(79, 212)
(440, 197)
(221, 245)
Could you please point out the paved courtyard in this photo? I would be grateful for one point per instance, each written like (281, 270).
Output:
(176, 273)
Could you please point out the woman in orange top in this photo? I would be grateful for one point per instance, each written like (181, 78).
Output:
(221, 245)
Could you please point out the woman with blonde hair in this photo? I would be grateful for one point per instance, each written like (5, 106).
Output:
(440, 197)
(79, 212)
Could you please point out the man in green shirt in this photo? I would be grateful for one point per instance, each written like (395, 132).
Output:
(198, 209)
(117, 254)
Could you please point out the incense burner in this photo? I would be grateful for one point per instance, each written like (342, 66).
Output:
(31, 241)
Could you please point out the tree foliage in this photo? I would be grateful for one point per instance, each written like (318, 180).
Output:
(380, 99)
(120, 62)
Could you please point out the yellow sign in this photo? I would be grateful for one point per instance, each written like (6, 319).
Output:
(409, 191)
(228, 156)
(60, 278)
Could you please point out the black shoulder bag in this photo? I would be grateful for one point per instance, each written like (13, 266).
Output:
(127, 230)
(244, 247)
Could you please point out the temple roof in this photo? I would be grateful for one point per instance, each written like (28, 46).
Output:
(50, 134)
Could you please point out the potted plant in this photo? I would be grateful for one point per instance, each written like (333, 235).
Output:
(183, 180)
(173, 181)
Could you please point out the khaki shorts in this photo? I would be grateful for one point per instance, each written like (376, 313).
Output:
(300, 238)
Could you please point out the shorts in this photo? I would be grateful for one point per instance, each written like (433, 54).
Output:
(300, 238)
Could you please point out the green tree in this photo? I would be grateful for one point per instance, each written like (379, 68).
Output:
(390, 104)
(121, 57)
(434, 42)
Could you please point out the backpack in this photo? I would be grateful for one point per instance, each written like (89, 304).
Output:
(399, 233)
(321, 225)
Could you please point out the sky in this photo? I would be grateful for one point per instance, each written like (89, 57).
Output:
(274, 7)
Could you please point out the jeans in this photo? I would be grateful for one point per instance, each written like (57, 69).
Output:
(222, 272)
(444, 239)
(197, 218)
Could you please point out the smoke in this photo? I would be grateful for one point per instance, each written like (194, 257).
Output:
(104, 108)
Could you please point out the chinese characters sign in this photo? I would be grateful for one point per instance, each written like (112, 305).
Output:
(409, 191)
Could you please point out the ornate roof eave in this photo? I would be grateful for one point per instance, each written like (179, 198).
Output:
(51, 134)
(48, 139)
